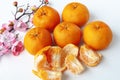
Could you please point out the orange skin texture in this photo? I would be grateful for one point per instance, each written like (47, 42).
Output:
(76, 13)
(46, 17)
(37, 38)
(97, 35)
(66, 33)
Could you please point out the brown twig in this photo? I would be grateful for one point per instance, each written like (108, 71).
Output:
(43, 2)
(24, 13)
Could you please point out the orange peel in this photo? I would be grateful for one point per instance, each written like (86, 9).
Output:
(40, 59)
(50, 57)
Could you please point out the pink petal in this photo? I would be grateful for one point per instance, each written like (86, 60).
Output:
(8, 38)
(1, 38)
(46, 0)
(31, 18)
(6, 26)
(20, 25)
(17, 48)
(3, 50)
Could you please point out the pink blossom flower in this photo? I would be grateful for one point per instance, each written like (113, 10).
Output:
(3, 49)
(8, 38)
(20, 25)
(8, 26)
(9, 41)
(17, 48)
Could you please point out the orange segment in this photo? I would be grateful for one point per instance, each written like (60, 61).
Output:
(55, 56)
(73, 64)
(48, 74)
(71, 49)
(89, 57)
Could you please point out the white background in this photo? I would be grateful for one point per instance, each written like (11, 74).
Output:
(19, 68)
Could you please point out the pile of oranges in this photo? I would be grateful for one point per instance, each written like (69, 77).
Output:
(54, 54)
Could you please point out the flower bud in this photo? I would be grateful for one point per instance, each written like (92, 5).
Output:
(34, 8)
(11, 24)
(20, 10)
(15, 3)
(2, 30)
(46, 2)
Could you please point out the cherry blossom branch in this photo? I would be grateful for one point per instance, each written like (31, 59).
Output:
(25, 13)
(9, 42)
(20, 10)
(43, 2)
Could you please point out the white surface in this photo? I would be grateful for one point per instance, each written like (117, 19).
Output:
(19, 68)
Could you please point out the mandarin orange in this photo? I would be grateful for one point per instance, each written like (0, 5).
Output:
(76, 13)
(97, 35)
(66, 33)
(46, 17)
(37, 38)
